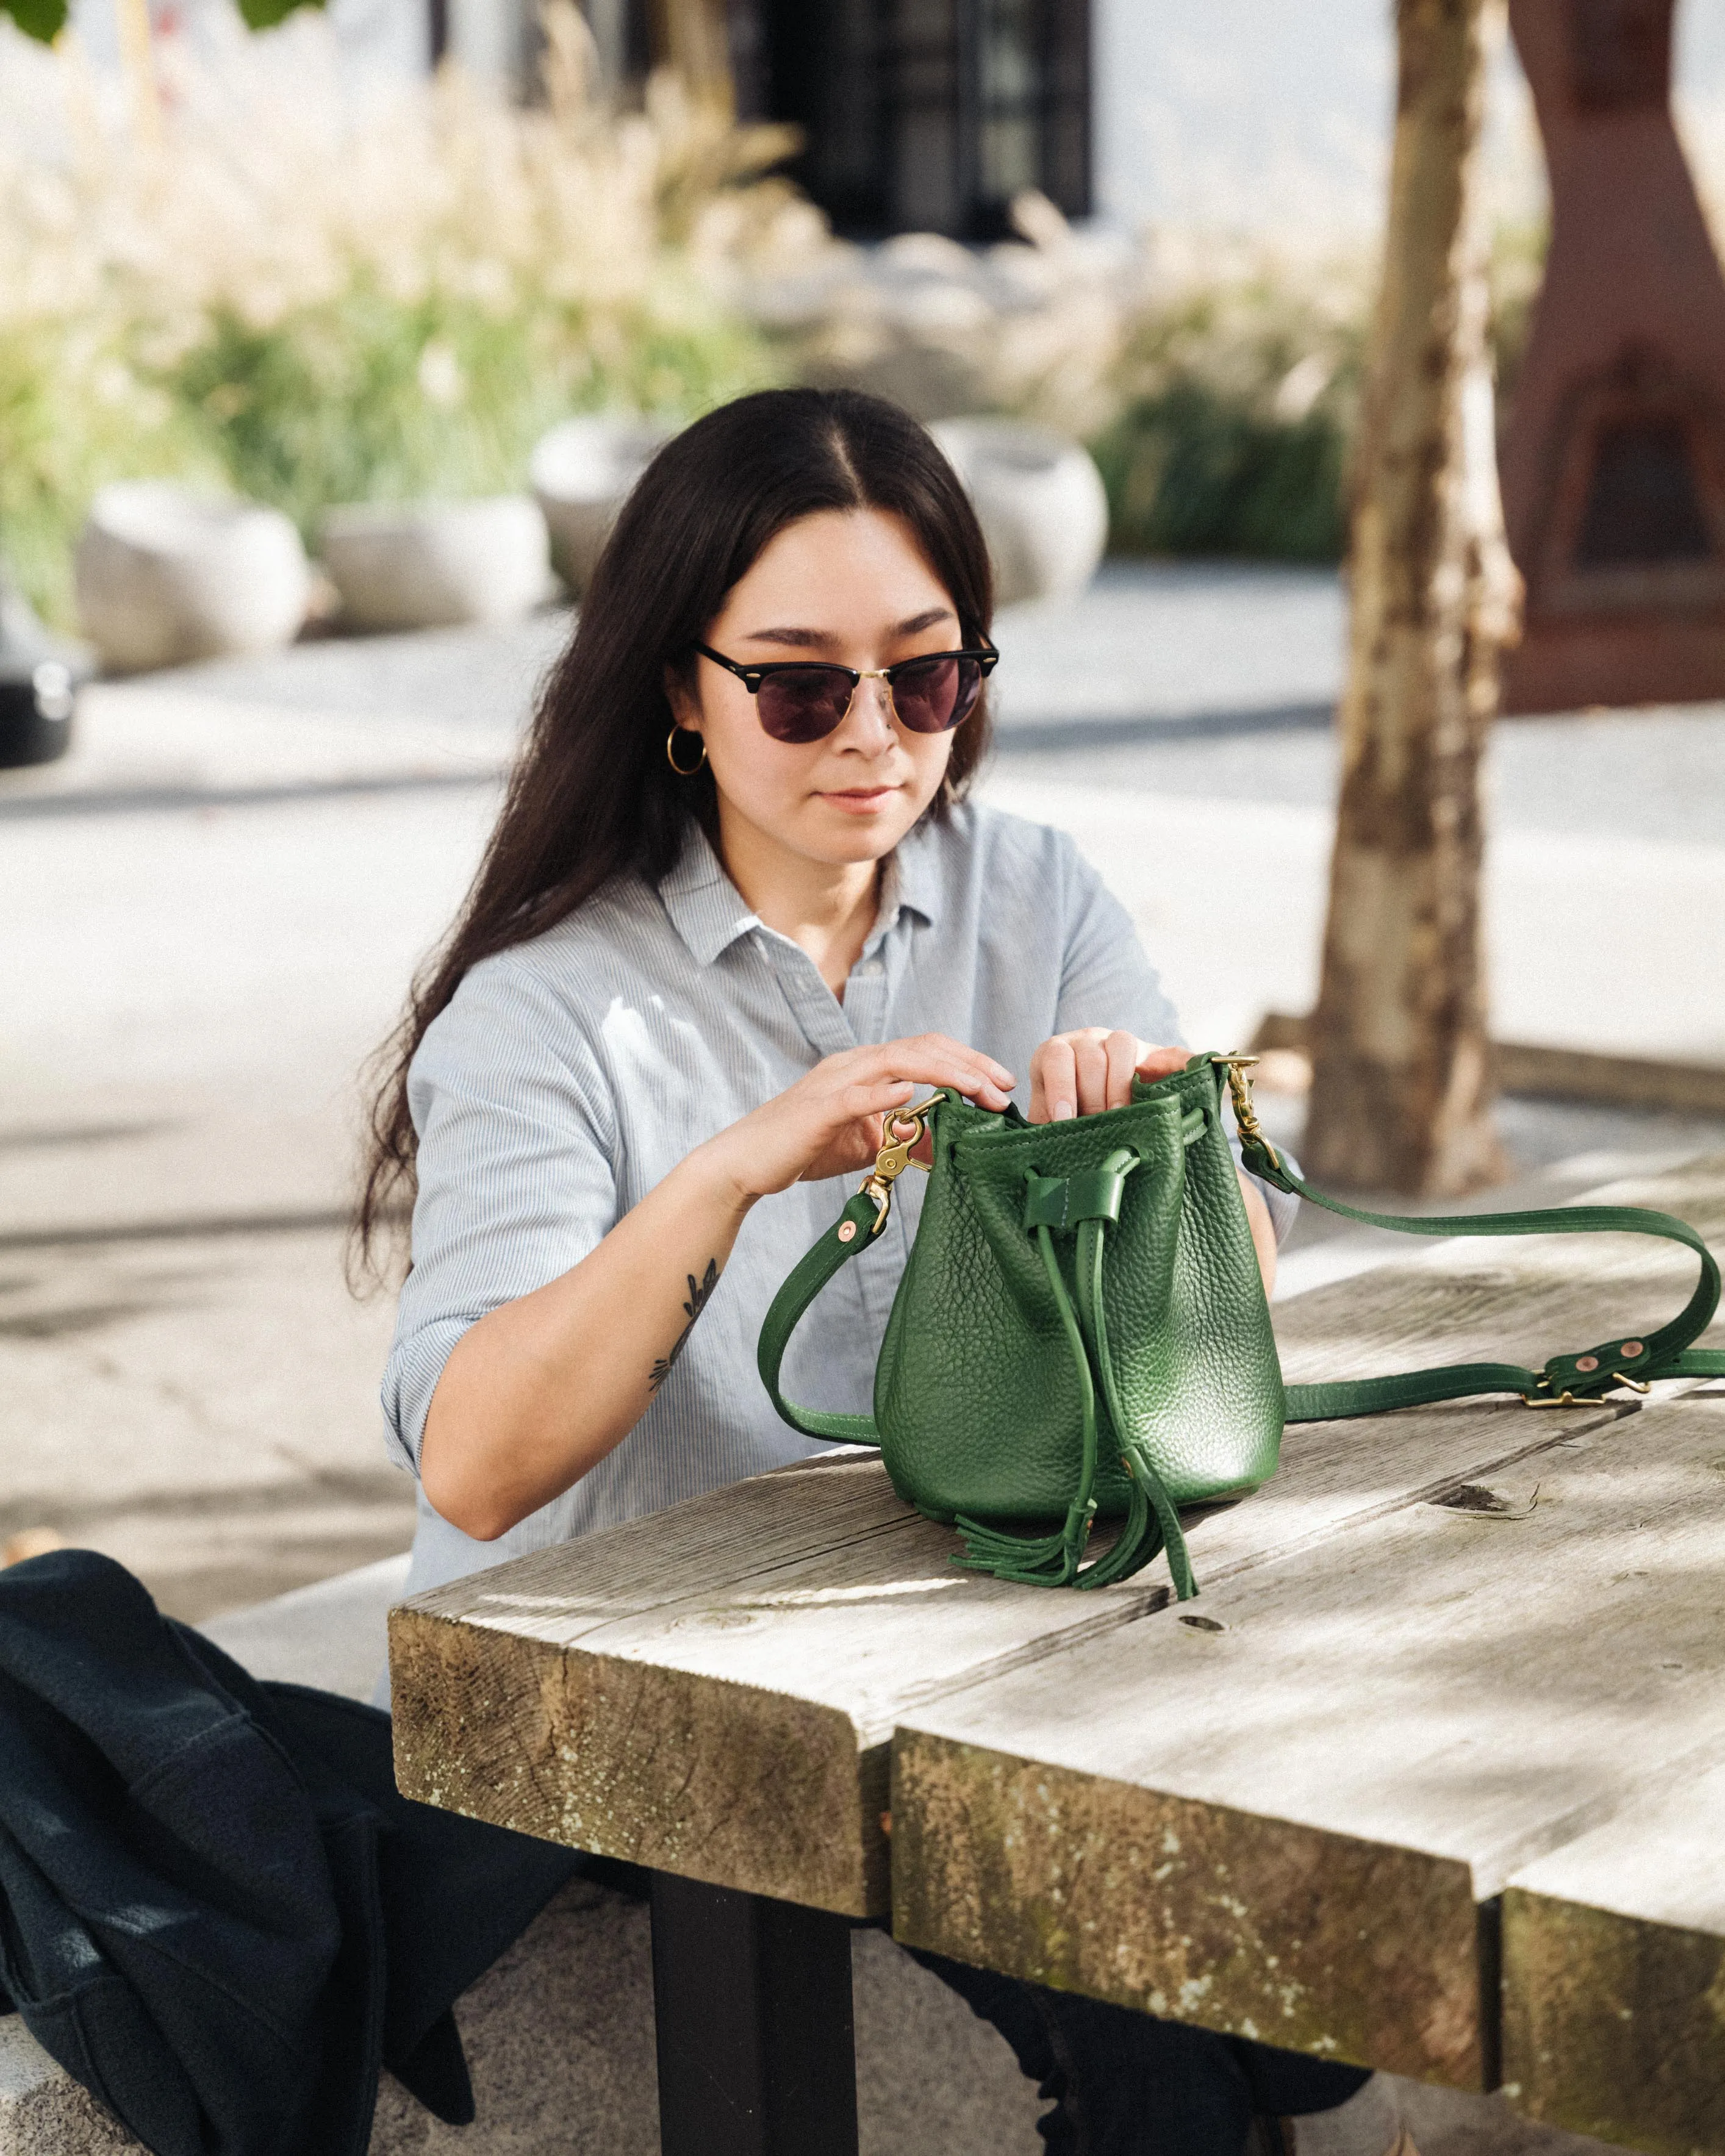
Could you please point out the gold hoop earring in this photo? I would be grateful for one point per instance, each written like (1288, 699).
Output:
(671, 752)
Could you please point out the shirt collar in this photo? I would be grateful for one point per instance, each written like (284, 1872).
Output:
(710, 913)
(912, 882)
(706, 909)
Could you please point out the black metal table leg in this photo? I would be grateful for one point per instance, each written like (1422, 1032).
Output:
(756, 2055)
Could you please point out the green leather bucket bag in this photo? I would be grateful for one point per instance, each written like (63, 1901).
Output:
(1081, 1329)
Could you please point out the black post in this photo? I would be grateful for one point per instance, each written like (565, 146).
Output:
(752, 2001)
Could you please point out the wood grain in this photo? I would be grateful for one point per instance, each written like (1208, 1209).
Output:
(712, 1689)
(1613, 1967)
(1279, 1812)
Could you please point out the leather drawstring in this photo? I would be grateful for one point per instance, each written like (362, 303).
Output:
(1153, 1522)
(1147, 1485)
(1046, 1560)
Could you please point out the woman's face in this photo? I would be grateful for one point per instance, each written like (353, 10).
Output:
(849, 587)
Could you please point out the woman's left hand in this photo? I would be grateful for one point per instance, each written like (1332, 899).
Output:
(1082, 1073)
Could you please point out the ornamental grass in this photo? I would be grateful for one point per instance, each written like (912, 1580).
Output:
(241, 272)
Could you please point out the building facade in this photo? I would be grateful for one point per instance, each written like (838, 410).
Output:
(924, 116)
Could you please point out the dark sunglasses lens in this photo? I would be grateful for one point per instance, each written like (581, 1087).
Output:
(930, 695)
(805, 703)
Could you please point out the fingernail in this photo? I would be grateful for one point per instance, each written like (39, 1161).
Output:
(1063, 1113)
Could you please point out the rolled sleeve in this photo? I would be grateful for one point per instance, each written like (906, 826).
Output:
(517, 1181)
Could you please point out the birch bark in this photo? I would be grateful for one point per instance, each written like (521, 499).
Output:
(1402, 1083)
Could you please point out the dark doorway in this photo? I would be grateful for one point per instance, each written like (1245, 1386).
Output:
(928, 115)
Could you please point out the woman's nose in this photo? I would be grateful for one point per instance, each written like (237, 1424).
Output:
(869, 720)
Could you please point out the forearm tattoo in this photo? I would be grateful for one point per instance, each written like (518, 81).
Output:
(700, 1294)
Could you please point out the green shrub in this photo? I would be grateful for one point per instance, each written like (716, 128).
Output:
(269, 294)
(368, 397)
(1191, 471)
(1236, 407)
(73, 415)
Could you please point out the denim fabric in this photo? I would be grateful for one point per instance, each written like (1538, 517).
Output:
(1125, 2084)
(1120, 2083)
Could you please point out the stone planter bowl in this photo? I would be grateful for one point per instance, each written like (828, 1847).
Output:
(581, 472)
(433, 564)
(1040, 500)
(164, 574)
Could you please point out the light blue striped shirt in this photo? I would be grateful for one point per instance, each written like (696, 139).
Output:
(567, 1075)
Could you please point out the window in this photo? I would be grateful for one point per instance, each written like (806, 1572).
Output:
(932, 114)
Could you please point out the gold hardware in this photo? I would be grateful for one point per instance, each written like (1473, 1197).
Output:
(1634, 1384)
(847, 1231)
(1564, 1400)
(894, 1157)
(1239, 1087)
(670, 758)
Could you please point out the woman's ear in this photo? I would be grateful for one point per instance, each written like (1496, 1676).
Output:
(679, 695)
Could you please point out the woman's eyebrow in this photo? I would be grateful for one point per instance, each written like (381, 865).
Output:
(816, 640)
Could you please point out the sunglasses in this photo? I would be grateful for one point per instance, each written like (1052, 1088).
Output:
(801, 700)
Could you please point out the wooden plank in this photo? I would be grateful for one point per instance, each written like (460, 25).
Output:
(1614, 1960)
(1280, 1812)
(711, 1690)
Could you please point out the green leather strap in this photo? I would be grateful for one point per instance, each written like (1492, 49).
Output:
(1586, 1373)
(849, 1234)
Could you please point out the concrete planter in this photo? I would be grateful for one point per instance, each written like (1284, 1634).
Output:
(1040, 500)
(164, 575)
(432, 564)
(581, 472)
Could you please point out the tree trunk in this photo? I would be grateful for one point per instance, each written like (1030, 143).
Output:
(692, 38)
(1401, 1079)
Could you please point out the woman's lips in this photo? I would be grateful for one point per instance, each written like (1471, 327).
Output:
(861, 800)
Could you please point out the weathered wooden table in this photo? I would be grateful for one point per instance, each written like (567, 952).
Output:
(1443, 1653)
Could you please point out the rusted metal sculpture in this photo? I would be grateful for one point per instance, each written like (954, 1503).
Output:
(1613, 467)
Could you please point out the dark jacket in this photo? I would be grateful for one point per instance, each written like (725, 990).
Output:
(215, 1910)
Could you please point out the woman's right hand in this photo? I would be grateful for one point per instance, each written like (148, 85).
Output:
(830, 1122)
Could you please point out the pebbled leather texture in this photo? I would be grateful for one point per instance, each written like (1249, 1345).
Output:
(976, 1395)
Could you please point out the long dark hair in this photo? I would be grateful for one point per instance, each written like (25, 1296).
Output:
(592, 796)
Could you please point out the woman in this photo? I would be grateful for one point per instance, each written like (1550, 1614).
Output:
(736, 910)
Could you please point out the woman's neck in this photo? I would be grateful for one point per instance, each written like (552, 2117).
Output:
(826, 908)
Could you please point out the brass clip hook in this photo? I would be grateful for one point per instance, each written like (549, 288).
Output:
(894, 1157)
(1240, 1088)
